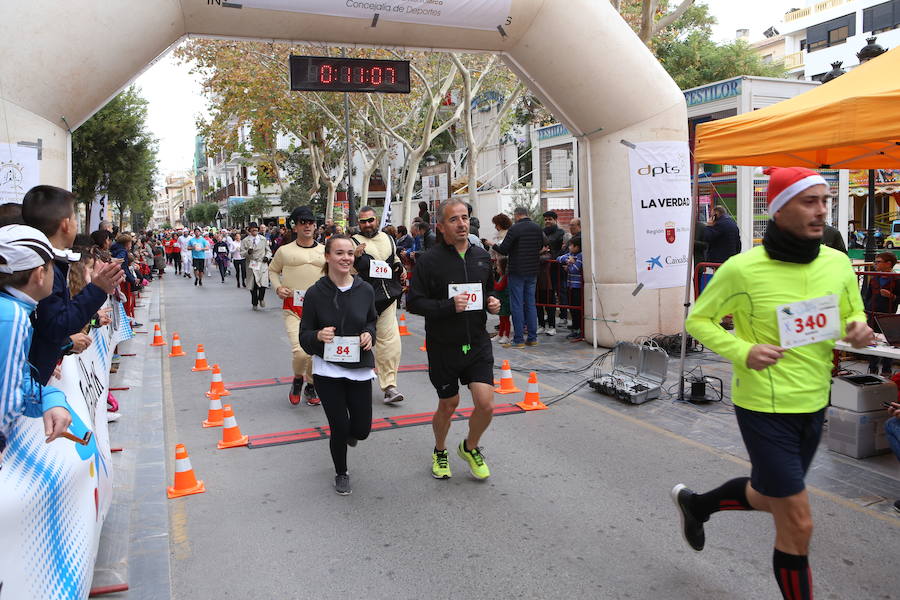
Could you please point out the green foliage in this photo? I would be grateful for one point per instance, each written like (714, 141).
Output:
(114, 155)
(697, 60)
(304, 189)
(203, 213)
(524, 195)
(257, 206)
(238, 212)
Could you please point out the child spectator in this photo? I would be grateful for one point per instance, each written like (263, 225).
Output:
(51, 211)
(574, 280)
(501, 283)
(26, 278)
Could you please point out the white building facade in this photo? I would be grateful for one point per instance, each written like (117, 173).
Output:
(835, 30)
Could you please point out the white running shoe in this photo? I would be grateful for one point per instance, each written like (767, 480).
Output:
(502, 339)
(541, 330)
(112, 417)
(550, 331)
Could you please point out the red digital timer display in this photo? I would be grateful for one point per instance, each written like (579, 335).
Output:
(324, 74)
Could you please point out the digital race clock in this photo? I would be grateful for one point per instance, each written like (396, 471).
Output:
(324, 74)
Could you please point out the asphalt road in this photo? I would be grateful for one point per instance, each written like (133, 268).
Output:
(578, 505)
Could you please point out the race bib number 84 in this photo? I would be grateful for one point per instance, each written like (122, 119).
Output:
(342, 349)
(809, 321)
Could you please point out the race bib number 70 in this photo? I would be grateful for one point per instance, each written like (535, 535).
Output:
(472, 291)
(809, 321)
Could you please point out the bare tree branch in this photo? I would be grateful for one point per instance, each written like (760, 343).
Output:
(670, 18)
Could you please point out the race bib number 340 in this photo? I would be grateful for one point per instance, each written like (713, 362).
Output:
(809, 321)
(342, 349)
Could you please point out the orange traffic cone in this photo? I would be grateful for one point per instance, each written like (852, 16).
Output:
(176, 346)
(507, 385)
(231, 433)
(216, 386)
(200, 364)
(185, 481)
(403, 329)
(157, 337)
(422, 347)
(532, 396)
(215, 416)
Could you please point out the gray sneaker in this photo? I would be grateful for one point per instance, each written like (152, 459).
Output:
(342, 484)
(262, 303)
(392, 395)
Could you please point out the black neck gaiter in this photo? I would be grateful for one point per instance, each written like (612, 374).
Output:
(784, 246)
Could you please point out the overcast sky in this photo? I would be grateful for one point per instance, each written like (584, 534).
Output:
(175, 99)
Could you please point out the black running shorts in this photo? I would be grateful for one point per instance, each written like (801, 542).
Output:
(448, 366)
(199, 264)
(781, 448)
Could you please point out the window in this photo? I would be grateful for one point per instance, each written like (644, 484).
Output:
(882, 17)
(767, 59)
(831, 33)
(802, 45)
(838, 36)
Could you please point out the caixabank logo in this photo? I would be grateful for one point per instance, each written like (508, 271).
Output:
(658, 262)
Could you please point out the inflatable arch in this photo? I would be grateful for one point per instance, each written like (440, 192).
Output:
(62, 61)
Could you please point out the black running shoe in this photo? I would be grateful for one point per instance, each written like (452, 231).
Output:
(691, 526)
(897, 506)
(294, 394)
(342, 484)
(312, 397)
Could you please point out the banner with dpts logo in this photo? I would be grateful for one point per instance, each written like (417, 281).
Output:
(661, 204)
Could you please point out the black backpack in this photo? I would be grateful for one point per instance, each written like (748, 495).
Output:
(387, 291)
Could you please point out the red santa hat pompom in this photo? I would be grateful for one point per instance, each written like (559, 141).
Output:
(787, 182)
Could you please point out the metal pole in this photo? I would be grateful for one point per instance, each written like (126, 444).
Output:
(351, 210)
(695, 191)
(870, 233)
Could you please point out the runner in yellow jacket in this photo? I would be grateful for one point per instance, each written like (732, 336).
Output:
(790, 298)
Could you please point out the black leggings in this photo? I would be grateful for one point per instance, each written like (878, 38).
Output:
(240, 271)
(175, 258)
(223, 267)
(348, 406)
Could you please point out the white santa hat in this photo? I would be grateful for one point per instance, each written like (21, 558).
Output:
(787, 182)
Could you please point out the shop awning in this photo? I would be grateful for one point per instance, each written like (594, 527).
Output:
(852, 122)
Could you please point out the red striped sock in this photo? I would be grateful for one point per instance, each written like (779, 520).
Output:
(792, 575)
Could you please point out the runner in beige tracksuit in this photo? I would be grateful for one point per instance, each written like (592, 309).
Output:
(294, 269)
(378, 246)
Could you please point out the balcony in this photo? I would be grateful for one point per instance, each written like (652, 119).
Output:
(815, 8)
(794, 61)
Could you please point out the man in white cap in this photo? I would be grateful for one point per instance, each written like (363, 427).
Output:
(186, 260)
(26, 278)
(791, 298)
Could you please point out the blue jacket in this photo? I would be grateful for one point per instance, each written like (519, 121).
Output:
(57, 317)
(724, 239)
(19, 392)
(118, 251)
(574, 270)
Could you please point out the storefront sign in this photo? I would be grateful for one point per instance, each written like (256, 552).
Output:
(54, 497)
(661, 208)
(552, 131)
(711, 93)
(470, 14)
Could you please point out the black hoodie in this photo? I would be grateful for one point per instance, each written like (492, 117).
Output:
(350, 313)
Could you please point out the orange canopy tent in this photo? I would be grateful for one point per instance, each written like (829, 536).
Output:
(851, 122)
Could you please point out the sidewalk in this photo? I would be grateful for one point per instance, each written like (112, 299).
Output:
(134, 543)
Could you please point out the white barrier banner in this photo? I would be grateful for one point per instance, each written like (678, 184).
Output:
(470, 14)
(661, 206)
(54, 497)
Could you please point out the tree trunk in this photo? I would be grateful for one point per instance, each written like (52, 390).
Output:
(412, 169)
(329, 202)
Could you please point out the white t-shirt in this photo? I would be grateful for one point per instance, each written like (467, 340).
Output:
(235, 248)
(323, 368)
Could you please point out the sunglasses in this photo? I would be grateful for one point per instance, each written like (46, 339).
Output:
(307, 222)
(369, 220)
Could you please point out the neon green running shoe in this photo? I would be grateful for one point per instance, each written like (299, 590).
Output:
(475, 459)
(440, 465)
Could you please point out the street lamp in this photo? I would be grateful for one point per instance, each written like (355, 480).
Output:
(870, 50)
